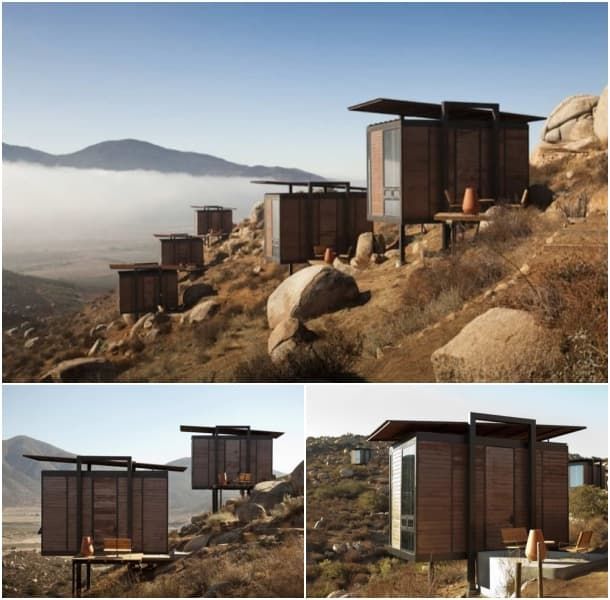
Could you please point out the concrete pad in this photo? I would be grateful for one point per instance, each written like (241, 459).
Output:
(496, 568)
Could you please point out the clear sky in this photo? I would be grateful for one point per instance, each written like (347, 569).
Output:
(270, 83)
(361, 409)
(143, 421)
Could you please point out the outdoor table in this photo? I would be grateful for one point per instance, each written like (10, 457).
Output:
(451, 220)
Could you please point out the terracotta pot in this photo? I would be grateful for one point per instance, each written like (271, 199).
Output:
(531, 548)
(329, 256)
(86, 546)
(470, 204)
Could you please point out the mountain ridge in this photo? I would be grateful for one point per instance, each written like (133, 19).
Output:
(130, 154)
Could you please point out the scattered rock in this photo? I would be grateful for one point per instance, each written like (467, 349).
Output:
(203, 311)
(191, 294)
(98, 330)
(287, 336)
(346, 473)
(368, 244)
(257, 215)
(198, 542)
(270, 493)
(29, 344)
(249, 511)
(139, 325)
(500, 345)
(97, 346)
(297, 479)
(344, 267)
(129, 319)
(28, 332)
(12, 331)
(81, 370)
(598, 204)
(600, 118)
(311, 292)
(228, 537)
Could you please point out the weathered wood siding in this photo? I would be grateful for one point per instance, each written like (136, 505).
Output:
(214, 456)
(501, 495)
(395, 490)
(142, 291)
(376, 173)
(182, 251)
(218, 221)
(513, 162)
(104, 510)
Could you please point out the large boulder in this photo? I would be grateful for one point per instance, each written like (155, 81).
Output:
(368, 244)
(203, 311)
(287, 336)
(257, 216)
(198, 542)
(270, 493)
(600, 118)
(502, 344)
(297, 479)
(191, 294)
(571, 120)
(249, 511)
(81, 370)
(311, 292)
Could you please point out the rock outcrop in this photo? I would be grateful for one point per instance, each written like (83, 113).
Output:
(270, 493)
(600, 118)
(311, 292)
(81, 370)
(287, 336)
(502, 344)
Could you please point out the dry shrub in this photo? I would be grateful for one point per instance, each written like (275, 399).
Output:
(330, 359)
(347, 488)
(572, 296)
(508, 227)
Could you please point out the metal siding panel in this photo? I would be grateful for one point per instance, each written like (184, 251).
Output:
(499, 506)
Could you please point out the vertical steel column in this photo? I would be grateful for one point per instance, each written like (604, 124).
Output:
(401, 232)
(471, 505)
(532, 474)
(79, 503)
(130, 469)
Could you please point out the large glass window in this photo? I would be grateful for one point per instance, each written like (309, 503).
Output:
(391, 172)
(275, 228)
(576, 474)
(407, 499)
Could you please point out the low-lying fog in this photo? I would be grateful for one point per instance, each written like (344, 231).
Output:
(69, 224)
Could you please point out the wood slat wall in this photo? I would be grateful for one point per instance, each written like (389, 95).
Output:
(232, 459)
(376, 174)
(213, 220)
(501, 496)
(104, 510)
(182, 251)
(139, 291)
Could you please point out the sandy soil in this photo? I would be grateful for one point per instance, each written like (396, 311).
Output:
(20, 527)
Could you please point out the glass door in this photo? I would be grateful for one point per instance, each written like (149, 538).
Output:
(407, 507)
(391, 172)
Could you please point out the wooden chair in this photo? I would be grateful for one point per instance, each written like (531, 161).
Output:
(452, 206)
(583, 542)
(245, 477)
(514, 538)
(117, 545)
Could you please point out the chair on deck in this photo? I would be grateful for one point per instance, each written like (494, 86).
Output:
(514, 538)
(117, 545)
(583, 542)
(245, 477)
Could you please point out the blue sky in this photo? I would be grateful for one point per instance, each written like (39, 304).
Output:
(271, 83)
(361, 408)
(143, 420)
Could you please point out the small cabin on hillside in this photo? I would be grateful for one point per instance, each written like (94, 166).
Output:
(213, 220)
(310, 216)
(429, 148)
(588, 471)
(143, 287)
(455, 485)
(123, 499)
(181, 250)
(360, 456)
(234, 457)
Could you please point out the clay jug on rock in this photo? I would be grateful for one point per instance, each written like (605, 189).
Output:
(531, 548)
(329, 256)
(86, 546)
(470, 204)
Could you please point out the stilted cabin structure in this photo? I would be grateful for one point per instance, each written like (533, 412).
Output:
(230, 457)
(143, 287)
(360, 456)
(430, 148)
(181, 250)
(126, 499)
(213, 219)
(588, 471)
(455, 485)
(301, 223)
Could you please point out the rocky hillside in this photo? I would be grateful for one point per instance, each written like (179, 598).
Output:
(26, 298)
(541, 271)
(127, 155)
(348, 528)
(252, 548)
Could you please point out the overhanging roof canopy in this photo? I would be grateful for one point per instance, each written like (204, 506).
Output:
(427, 110)
(104, 461)
(393, 431)
(230, 430)
(310, 183)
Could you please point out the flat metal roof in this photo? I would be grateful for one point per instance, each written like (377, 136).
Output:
(176, 236)
(142, 267)
(210, 207)
(393, 431)
(230, 430)
(104, 461)
(427, 110)
(310, 183)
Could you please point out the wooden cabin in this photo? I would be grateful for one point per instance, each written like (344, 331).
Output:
(126, 499)
(430, 148)
(230, 458)
(455, 485)
(301, 223)
(143, 287)
(588, 471)
(181, 250)
(360, 456)
(214, 220)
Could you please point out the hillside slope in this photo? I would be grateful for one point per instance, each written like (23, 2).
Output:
(128, 154)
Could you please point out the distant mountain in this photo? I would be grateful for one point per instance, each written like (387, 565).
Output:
(128, 155)
(24, 297)
(21, 479)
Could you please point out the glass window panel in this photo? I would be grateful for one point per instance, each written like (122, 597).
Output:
(391, 158)
(576, 475)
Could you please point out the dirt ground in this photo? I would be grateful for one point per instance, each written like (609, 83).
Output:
(20, 527)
